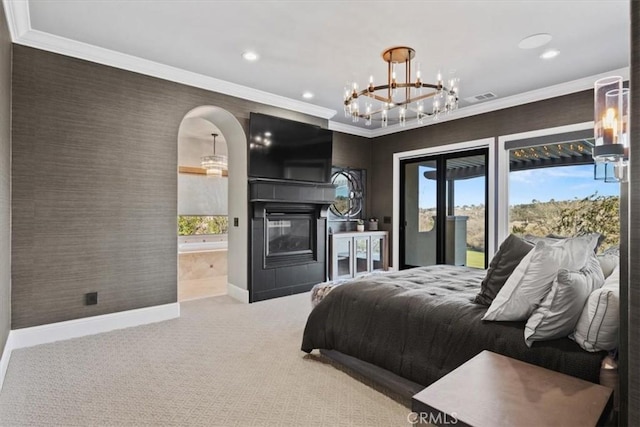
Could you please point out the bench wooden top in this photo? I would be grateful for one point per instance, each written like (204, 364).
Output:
(492, 390)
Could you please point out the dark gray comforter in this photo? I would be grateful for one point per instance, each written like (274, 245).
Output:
(421, 324)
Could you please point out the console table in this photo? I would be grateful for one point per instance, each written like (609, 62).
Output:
(356, 253)
(495, 390)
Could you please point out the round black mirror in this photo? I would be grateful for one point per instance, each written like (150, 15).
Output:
(348, 200)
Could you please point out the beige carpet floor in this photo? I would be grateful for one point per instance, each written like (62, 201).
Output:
(222, 363)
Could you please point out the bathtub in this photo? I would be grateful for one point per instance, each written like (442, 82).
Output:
(189, 244)
(202, 266)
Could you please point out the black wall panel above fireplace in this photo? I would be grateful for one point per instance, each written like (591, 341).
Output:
(288, 237)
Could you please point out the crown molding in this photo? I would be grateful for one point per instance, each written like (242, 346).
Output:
(23, 34)
(349, 129)
(561, 89)
(18, 19)
(17, 12)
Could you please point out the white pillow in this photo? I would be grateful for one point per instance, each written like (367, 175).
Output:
(597, 328)
(560, 310)
(608, 262)
(532, 279)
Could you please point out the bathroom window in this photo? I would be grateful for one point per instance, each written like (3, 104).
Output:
(189, 225)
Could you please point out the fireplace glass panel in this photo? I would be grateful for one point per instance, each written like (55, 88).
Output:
(288, 234)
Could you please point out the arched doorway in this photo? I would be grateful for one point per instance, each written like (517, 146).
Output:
(236, 142)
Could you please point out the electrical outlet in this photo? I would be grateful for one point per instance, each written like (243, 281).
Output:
(91, 298)
(235, 222)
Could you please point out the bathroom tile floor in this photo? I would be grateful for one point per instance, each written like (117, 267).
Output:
(202, 288)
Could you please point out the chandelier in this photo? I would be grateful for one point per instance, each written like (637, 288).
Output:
(215, 163)
(408, 96)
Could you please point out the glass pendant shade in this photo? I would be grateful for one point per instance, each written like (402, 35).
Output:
(611, 130)
(215, 163)
(611, 118)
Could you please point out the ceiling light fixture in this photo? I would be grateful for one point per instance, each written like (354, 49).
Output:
(250, 56)
(307, 95)
(215, 163)
(549, 54)
(407, 96)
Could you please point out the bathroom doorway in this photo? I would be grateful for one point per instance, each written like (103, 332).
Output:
(203, 226)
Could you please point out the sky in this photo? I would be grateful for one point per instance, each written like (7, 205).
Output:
(559, 183)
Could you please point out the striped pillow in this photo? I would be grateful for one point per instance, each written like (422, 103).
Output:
(597, 328)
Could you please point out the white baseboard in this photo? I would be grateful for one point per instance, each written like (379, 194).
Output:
(6, 355)
(237, 293)
(28, 337)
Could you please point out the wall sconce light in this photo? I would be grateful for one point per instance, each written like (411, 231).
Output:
(611, 130)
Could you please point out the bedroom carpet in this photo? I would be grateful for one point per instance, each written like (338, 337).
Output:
(222, 363)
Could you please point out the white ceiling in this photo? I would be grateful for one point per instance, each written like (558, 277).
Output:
(321, 45)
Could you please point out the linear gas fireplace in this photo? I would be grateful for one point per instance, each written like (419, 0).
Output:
(288, 237)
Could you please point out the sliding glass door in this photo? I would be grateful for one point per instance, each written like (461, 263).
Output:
(443, 217)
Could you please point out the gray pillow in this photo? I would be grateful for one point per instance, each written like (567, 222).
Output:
(533, 278)
(557, 315)
(597, 327)
(511, 252)
(553, 238)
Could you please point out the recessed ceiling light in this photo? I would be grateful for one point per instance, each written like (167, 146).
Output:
(307, 95)
(250, 56)
(534, 41)
(551, 53)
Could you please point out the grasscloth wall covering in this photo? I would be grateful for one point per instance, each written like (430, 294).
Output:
(354, 152)
(632, 383)
(5, 181)
(95, 185)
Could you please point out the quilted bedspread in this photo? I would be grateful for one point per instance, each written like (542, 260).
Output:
(421, 324)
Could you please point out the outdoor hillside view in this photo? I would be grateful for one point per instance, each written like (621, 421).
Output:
(564, 201)
(593, 213)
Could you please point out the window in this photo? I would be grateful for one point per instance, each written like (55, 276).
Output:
(427, 196)
(189, 225)
(552, 191)
(443, 215)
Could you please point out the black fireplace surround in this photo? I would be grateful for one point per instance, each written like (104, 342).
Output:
(288, 236)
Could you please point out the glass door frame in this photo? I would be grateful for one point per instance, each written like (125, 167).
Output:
(443, 199)
(458, 148)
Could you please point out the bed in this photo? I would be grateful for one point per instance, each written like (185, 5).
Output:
(422, 323)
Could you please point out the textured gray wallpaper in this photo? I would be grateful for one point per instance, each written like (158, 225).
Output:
(633, 336)
(350, 151)
(95, 185)
(5, 180)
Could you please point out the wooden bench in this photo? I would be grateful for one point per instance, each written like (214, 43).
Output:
(495, 390)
